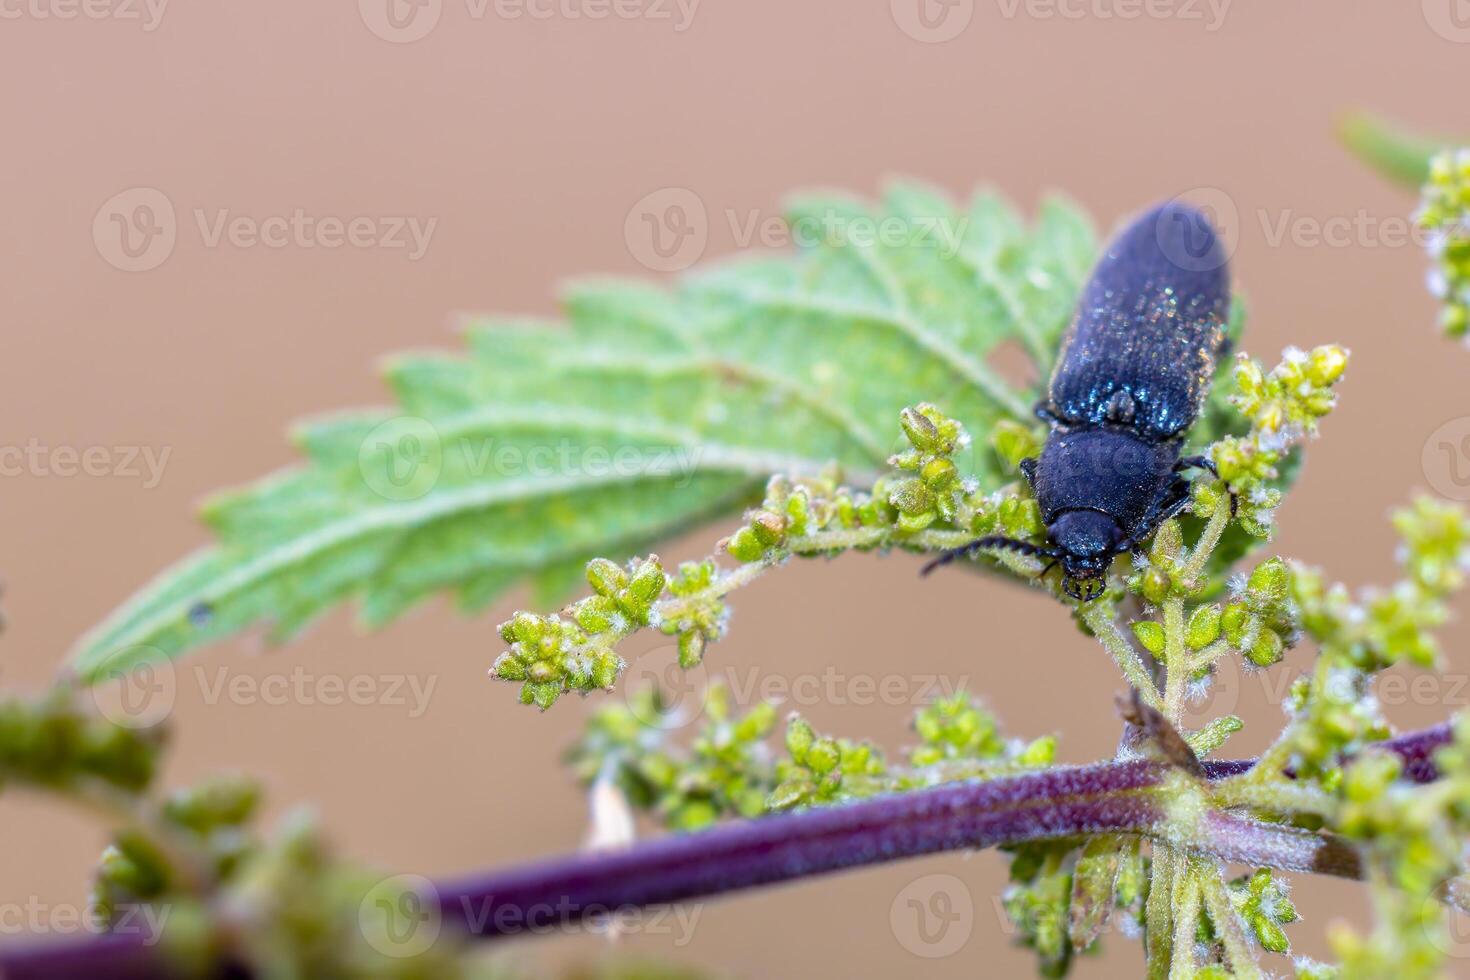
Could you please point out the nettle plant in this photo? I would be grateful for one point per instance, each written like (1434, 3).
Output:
(844, 400)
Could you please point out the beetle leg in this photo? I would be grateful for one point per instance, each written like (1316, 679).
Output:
(1198, 463)
(1206, 463)
(993, 541)
(1169, 503)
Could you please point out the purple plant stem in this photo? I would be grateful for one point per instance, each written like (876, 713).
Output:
(566, 891)
(1058, 803)
(1416, 749)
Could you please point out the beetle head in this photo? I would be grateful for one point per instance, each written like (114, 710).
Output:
(1088, 541)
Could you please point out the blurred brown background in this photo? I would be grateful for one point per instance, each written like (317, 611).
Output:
(528, 131)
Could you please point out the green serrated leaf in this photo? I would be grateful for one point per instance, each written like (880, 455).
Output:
(647, 412)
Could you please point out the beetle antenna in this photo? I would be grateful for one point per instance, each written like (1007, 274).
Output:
(997, 542)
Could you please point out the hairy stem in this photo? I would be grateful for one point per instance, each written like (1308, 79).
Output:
(1105, 628)
(1174, 660)
(1159, 913)
(1109, 798)
(1184, 905)
(1208, 539)
(1239, 953)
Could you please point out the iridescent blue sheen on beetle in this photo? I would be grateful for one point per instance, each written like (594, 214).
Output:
(1134, 370)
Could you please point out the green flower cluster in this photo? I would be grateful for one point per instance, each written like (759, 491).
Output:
(1412, 839)
(1260, 621)
(1286, 404)
(700, 617)
(210, 818)
(935, 491)
(1261, 900)
(1109, 878)
(1038, 902)
(925, 492)
(190, 861)
(956, 730)
(550, 655)
(925, 505)
(54, 743)
(1414, 834)
(618, 737)
(1333, 714)
(1445, 214)
(1283, 408)
(299, 912)
(795, 508)
(725, 772)
(820, 770)
(729, 769)
(1162, 576)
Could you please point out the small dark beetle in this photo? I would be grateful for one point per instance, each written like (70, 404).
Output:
(1134, 369)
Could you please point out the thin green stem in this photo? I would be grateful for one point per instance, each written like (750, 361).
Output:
(1271, 766)
(1281, 796)
(1176, 670)
(1239, 953)
(1208, 540)
(1186, 906)
(1208, 656)
(1106, 629)
(1159, 912)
